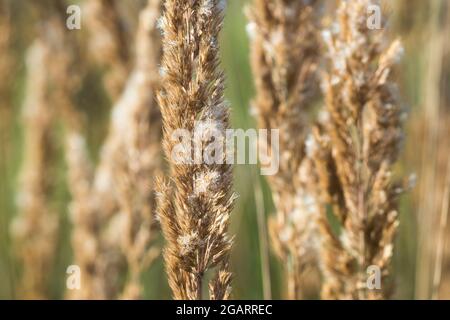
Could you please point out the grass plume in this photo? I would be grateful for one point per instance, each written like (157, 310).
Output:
(194, 206)
(109, 43)
(139, 116)
(363, 134)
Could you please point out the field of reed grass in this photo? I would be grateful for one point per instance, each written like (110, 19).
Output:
(98, 200)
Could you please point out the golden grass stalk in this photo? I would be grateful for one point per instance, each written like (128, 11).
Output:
(95, 258)
(99, 260)
(34, 229)
(6, 62)
(444, 150)
(434, 139)
(284, 43)
(86, 246)
(6, 115)
(263, 238)
(441, 238)
(195, 205)
(109, 43)
(363, 134)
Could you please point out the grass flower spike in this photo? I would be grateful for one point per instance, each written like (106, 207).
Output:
(195, 204)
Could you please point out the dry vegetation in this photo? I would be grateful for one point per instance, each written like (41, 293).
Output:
(100, 109)
(195, 204)
(284, 37)
(362, 135)
(34, 229)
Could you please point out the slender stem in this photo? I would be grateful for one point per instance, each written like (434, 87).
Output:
(361, 217)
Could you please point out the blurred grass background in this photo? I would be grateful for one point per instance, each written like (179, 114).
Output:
(409, 20)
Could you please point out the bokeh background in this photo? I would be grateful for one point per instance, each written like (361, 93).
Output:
(424, 27)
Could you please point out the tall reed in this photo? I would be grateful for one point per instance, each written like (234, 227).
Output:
(195, 203)
(138, 122)
(434, 137)
(363, 136)
(34, 229)
(284, 39)
(442, 275)
(96, 259)
(444, 147)
(109, 43)
(52, 92)
(119, 190)
(6, 67)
